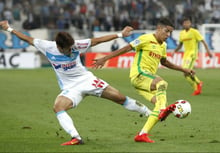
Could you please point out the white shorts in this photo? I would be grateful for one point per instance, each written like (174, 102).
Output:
(87, 85)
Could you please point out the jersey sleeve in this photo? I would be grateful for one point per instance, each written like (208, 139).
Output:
(41, 45)
(82, 45)
(198, 36)
(137, 43)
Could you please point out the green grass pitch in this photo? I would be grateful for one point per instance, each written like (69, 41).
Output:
(28, 123)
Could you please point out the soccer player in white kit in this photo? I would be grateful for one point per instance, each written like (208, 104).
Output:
(74, 79)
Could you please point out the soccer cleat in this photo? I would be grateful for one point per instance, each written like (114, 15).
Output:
(199, 86)
(165, 112)
(74, 141)
(143, 138)
(199, 89)
(196, 92)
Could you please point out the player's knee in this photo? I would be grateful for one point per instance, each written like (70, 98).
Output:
(57, 108)
(62, 103)
(162, 85)
(60, 107)
(153, 100)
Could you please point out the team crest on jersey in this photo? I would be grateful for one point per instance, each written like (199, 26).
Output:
(136, 42)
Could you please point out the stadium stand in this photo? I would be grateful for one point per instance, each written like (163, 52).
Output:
(105, 15)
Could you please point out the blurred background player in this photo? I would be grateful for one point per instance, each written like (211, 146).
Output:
(150, 52)
(114, 45)
(189, 38)
(75, 81)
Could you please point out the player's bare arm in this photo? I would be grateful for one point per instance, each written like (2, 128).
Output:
(170, 65)
(177, 48)
(127, 31)
(207, 48)
(99, 62)
(5, 26)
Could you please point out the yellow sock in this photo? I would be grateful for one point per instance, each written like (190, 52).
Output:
(192, 82)
(151, 121)
(196, 79)
(153, 118)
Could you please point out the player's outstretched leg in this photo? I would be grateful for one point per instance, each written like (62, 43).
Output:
(128, 103)
(67, 124)
(160, 103)
(61, 105)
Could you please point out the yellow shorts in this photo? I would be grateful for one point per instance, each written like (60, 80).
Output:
(142, 84)
(188, 62)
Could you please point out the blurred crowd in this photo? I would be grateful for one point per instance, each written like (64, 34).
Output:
(106, 15)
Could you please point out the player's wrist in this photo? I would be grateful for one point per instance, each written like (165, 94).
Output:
(9, 29)
(120, 35)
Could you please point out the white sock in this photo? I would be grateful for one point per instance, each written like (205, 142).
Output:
(134, 105)
(67, 124)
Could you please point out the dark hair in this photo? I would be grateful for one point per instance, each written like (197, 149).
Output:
(64, 39)
(186, 18)
(165, 22)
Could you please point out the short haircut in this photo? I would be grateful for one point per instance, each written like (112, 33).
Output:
(186, 18)
(64, 39)
(165, 22)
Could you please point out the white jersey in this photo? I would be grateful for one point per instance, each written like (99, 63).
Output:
(69, 69)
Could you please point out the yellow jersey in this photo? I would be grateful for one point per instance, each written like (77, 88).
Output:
(148, 54)
(190, 41)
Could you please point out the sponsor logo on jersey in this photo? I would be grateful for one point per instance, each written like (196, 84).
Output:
(154, 55)
(65, 67)
(82, 45)
(187, 39)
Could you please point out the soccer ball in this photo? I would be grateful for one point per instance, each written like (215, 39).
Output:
(183, 109)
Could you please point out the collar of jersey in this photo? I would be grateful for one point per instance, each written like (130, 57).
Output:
(60, 58)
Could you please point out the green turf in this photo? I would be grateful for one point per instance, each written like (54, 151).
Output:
(28, 123)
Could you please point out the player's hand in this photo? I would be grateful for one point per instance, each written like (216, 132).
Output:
(127, 31)
(210, 54)
(4, 25)
(98, 63)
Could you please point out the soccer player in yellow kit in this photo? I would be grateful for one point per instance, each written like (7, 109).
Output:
(150, 52)
(189, 38)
